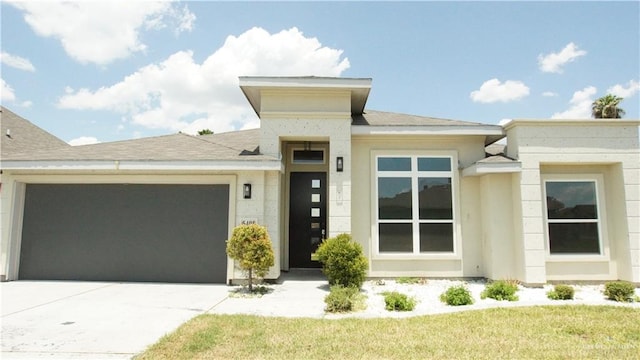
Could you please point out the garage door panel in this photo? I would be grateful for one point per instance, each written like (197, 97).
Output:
(117, 232)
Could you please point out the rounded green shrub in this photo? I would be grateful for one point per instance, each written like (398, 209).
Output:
(456, 296)
(622, 291)
(250, 246)
(344, 299)
(500, 290)
(561, 292)
(395, 301)
(343, 261)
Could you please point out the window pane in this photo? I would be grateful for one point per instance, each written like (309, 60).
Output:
(394, 198)
(436, 237)
(435, 198)
(574, 238)
(394, 164)
(308, 156)
(434, 164)
(396, 238)
(571, 200)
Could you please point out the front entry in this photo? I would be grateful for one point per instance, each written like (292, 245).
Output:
(307, 217)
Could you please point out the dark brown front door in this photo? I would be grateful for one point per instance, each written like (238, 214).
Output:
(307, 217)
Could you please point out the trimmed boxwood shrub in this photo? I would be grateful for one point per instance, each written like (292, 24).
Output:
(344, 299)
(622, 291)
(500, 290)
(395, 301)
(456, 296)
(561, 292)
(343, 261)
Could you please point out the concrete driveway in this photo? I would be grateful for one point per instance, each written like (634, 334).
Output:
(95, 320)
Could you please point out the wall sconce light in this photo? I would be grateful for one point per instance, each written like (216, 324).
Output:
(246, 191)
(339, 164)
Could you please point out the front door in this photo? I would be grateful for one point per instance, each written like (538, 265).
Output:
(307, 217)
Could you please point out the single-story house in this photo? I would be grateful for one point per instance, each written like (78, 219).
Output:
(533, 200)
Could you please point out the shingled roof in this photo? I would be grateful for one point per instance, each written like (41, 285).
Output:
(381, 118)
(19, 136)
(240, 145)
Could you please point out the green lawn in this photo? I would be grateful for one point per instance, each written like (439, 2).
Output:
(552, 332)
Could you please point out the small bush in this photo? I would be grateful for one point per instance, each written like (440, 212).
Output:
(411, 280)
(395, 301)
(561, 292)
(622, 291)
(500, 290)
(343, 261)
(456, 296)
(344, 299)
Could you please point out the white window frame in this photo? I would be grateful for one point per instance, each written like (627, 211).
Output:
(414, 174)
(603, 242)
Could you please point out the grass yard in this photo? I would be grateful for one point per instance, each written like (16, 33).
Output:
(552, 332)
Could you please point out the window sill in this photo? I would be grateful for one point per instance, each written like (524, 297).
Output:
(577, 258)
(430, 256)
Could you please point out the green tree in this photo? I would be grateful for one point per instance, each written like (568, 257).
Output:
(606, 107)
(205, 132)
(250, 246)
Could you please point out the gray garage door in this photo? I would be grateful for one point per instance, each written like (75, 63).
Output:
(107, 232)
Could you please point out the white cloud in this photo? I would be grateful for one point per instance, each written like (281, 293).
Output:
(100, 32)
(554, 62)
(580, 105)
(17, 62)
(6, 92)
(625, 92)
(179, 94)
(549, 94)
(26, 103)
(83, 140)
(493, 91)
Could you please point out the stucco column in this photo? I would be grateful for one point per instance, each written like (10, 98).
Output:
(531, 207)
(340, 182)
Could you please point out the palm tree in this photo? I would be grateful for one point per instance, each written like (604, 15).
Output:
(606, 107)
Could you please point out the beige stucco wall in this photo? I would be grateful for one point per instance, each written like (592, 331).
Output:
(262, 207)
(499, 246)
(607, 148)
(467, 261)
(314, 116)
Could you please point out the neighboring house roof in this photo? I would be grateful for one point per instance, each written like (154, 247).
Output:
(19, 136)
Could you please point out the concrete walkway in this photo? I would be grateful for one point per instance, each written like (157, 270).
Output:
(95, 320)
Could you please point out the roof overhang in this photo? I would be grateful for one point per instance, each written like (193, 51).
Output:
(485, 168)
(252, 87)
(570, 122)
(492, 133)
(141, 165)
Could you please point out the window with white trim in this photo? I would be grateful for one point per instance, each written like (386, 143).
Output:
(414, 205)
(573, 220)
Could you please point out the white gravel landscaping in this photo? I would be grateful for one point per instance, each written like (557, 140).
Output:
(428, 297)
(305, 298)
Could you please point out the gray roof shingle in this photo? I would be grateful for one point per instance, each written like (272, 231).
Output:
(381, 118)
(239, 145)
(19, 136)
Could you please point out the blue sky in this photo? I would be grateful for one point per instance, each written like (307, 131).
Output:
(106, 71)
